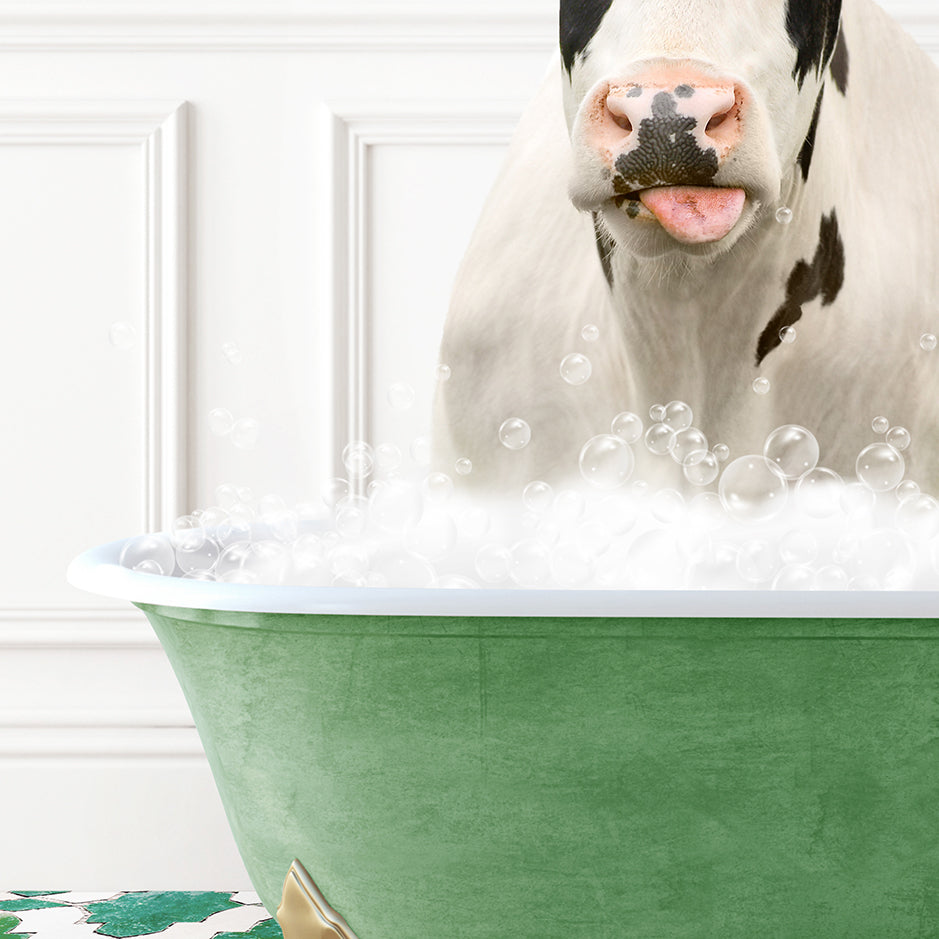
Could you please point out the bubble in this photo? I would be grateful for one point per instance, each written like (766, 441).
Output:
(592, 539)
(334, 490)
(396, 568)
(442, 372)
(590, 333)
(688, 443)
(568, 566)
(884, 556)
(400, 395)
(618, 512)
(678, 415)
(798, 546)
(606, 461)
(722, 452)
(575, 368)
(226, 495)
(667, 506)
(880, 467)
(187, 533)
(263, 562)
(918, 516)
(757, 562)
(857, 500)
(393, 505)
(151, 554)
(122, 336)
(787, 335)
(351, 516)
(358, 458)
(927, 342)
(907, 490)
(794, 577)
(282, 524)
(493, 562)
(660, 438)
(244, 433)
(791, 450)
(437, 487)
(818, 492)
(531, 563)
(655, 561)
(432, 537)
(830, 577)
(420, 450)
(657, 413)
(898, 437)
(569, 506)
(784, 215)
(701, 468)
(514, 433)
(751, 490)
(538, 496)
(221, 421)
(348, 561)
(627, 426)
(232, 353)
(880, 425)
(463, 466)
(761, 386)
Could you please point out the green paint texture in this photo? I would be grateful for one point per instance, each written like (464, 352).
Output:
(143, 913)
(470, 777)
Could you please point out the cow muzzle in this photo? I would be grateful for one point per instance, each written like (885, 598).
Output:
(657, 145)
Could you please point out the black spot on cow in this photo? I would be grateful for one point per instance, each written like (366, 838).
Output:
(605, 247)
(839, 63)
(667, 152)
(579, 21)
(813, 30)
(634, 91)
(804, 158)
(684, 91)
(823, 278)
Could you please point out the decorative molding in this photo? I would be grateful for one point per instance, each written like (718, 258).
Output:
(105, 628)
(27, 741)
(158, 128)
(349, 133)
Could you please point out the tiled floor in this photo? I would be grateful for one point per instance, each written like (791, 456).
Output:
(49, 914)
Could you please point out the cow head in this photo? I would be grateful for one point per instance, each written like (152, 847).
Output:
(688, 117)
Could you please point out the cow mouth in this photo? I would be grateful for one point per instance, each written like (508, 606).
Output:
(690, 214)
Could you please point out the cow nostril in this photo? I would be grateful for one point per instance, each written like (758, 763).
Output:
(716, 122)
(622, 121)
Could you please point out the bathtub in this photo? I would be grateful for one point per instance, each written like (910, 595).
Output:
(541, 764)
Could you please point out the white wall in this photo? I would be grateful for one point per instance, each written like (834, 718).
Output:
(296, 178)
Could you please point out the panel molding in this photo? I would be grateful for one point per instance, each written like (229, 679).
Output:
(159, 130)
(74, 628)
(349, 133)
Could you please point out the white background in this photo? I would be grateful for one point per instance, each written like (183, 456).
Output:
(295, 178)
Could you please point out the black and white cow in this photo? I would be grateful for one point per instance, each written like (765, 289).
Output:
(666, 142)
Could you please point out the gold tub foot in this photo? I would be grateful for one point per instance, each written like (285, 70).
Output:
(304, 913)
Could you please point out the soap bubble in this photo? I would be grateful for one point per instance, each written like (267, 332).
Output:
(569, 506)
(514, 433)
(244, 433)
(880, 425)
(420, 450)
(927, 342)
(387, 457)
(787, 335)
(885, 556)
(221, 421)
(918, 516)
(660, 438)
(358, 458)
(857, 501)
(606, 461)
(432, 537)
(678, 415)
(794, 577)
(761, 386)
(655, 561)
(657, 413)
(393, 505)
(688, 443)
(722, 452)
(590, 333)
(798, 546)
(627, 426)
(751, 490)
(575, 368)
(226, 495)
(530, 565)
(442, 372)
(701, 468)
(437, 487)
(538, 496)
(784, 215)
(122, 336)
(791, 450)
(880, 467)
(493, 562)
(400, 395)
(830, 577)
(592, 539)
(397, 568)
(187, 533)
(150, 554)
(818, 492)
(351, 516)
(260, 562)
(667, 506)
(334, 490)
(757, 562)
(232, 353)
(898, 437)
(463, 466)
(906, 490)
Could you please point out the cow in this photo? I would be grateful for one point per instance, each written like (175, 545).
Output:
(699, 182)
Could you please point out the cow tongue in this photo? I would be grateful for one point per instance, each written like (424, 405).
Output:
(694, 214)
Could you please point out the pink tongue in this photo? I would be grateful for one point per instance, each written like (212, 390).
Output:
(694, 214)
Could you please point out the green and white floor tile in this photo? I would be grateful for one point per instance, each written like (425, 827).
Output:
(66, 914)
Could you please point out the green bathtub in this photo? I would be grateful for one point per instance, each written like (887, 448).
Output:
(614, 766)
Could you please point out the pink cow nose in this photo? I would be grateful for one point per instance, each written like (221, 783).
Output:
(662, 111)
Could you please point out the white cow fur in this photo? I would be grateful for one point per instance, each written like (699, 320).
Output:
(531, 280)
